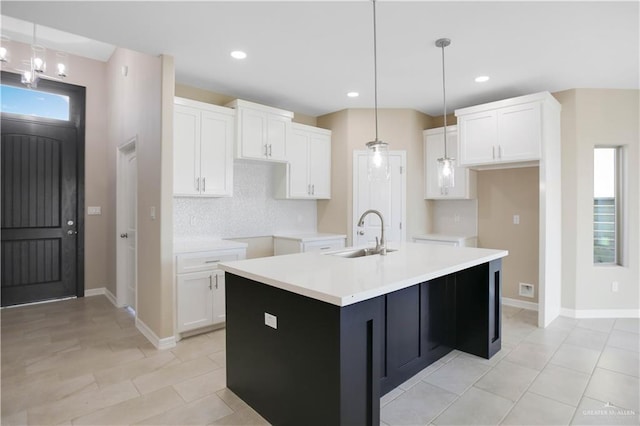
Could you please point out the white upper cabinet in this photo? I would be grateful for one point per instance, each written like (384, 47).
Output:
(465, 179)
(202, 149)
(262, 132)
(508, 131)
(308, 174)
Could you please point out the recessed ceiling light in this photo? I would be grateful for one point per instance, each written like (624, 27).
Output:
(238, 54)
(482, 79)
(353, 94)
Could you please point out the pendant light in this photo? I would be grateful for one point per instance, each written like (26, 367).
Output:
(378, 151)
(34, 68)
(446, 164)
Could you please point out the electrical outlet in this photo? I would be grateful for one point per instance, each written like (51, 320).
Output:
(516, 219)
(271, 320)
(614, 286)
(526, 290)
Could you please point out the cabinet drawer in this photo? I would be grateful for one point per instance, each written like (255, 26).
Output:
(202, 261)
(325, 245)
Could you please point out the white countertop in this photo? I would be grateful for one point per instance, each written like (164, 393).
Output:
(187, 245)
(342, 281)
(309, 237)
(443, 237)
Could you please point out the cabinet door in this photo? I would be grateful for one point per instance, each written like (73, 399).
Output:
(219, 306)
(186, 147)
(320, 165)
(299, 186)
(478, 138)
(216, 156)
(276, 138)
(253, 132)
(520, 132)
(194, 300)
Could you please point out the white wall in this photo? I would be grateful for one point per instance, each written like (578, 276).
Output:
(251, 212)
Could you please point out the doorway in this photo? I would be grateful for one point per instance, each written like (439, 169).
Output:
(388, 198)
(42, 194)
(127, 219)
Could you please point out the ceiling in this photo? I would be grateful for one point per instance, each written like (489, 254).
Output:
(305, 56)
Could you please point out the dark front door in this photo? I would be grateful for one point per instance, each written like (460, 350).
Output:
(39, 194)
(42, 186)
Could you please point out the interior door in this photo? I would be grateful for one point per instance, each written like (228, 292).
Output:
(131, 188)
(39, 205)
(388, 198)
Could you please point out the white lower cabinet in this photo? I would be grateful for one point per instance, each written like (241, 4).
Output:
(200, 290)
(305, 243)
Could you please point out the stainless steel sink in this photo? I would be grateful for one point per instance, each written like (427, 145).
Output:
(357, 252)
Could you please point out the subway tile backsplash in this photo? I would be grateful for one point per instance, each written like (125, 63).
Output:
(251, 212)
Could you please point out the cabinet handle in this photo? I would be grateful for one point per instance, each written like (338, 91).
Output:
(210, 282)
(270, 154)
(500, 151)
(212, 261)
(308, 189)
(325, 248)
(204, 184)
(198, 184)
(493, 152)
(313, 189)
(266, 150)
(216, 282)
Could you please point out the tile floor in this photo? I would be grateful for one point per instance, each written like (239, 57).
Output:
(83, 362)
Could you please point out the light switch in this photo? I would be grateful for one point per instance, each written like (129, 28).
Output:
(94, 210)
(152, 212)
(271, 320)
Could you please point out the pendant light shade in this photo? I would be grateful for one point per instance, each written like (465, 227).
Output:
(378, 151)
(446, 164)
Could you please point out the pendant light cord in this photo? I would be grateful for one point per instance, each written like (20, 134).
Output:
(375, 69)
(444, 102)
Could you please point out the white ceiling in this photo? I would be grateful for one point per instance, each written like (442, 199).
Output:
(305, 56)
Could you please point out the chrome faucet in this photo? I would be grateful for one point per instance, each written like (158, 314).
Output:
(380, 244)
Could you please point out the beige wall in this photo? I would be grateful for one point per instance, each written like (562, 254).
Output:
(351, 129)
(135, 109)
(502, 194)
(90, 74)
(593, 117)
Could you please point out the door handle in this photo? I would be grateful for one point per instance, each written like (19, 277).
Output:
(360, 232)
(124, 235)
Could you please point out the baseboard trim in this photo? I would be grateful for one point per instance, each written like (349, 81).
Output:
(600, 313)
(516, 303)
(94, 292)
(103, 291)
(160, 344)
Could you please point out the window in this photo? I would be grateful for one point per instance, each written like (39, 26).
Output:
(23, 101)
(607, 202)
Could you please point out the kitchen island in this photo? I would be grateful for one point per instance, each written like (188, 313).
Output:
(318, 339)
